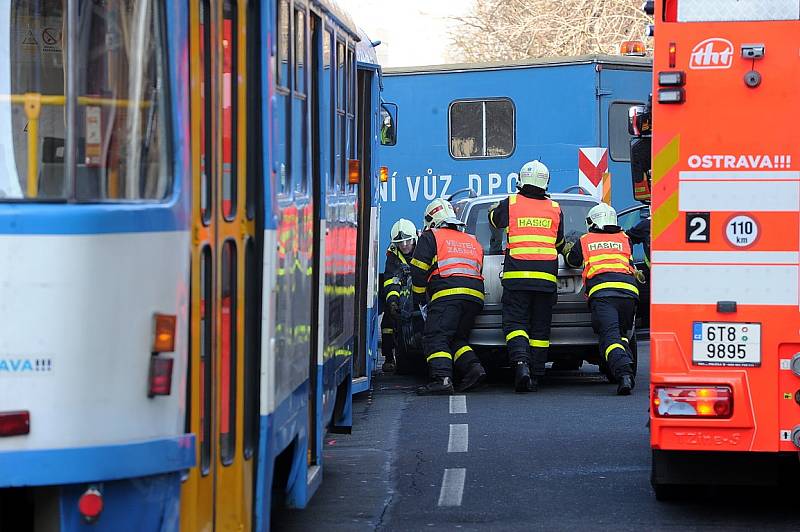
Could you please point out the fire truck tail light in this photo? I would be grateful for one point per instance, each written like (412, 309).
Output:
(17, 423)
(671, 96)
(673, 52)
(693, 401)
(674, 78)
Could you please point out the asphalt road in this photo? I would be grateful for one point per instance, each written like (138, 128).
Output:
(572, 456)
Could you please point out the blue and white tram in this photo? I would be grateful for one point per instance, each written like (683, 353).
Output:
(187, 257)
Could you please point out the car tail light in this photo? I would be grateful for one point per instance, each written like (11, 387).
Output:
(164, 337)
(16, 423)
(693, 401)
(90, 505)
(160, 380)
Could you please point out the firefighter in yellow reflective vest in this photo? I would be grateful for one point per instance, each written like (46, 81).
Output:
(609, 279)
(446, 274)
(404, 239)
(535, 230)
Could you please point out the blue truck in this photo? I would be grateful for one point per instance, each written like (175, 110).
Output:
(451, 127)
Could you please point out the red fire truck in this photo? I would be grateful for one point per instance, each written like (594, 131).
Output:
(725, 193)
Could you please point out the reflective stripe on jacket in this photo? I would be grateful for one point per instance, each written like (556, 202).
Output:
(457, 253)
(532, 228)
(607, 263)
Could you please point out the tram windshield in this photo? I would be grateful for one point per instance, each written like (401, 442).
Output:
(88, 125)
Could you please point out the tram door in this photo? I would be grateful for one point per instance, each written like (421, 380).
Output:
(365, 133)
(217, 494)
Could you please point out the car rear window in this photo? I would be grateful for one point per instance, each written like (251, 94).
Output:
(494, 240)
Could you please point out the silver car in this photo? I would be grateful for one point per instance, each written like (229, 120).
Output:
(571, 340)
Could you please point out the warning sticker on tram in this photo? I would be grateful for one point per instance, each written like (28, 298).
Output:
(726, 344)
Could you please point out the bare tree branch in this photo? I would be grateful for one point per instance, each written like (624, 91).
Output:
(507, 30)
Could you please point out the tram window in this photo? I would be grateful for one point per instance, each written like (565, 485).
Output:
(206, 363)
(119, 129)
(300, 51)
(619, 140)
(282, 75)
(253, 138)
(340, 75)
(228, 354)
(229, 109)
(251, 349)
(350, 82)
(299, 128)
(326, 50)
(351, 122)
(340, 141)
(482, 128)
(206, 149)
(327, 92)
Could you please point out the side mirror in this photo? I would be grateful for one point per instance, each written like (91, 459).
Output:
(388, 124)
(640, 122)
(641, 168)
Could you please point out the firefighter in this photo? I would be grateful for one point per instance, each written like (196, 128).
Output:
(609, 279)
(535, 227)
(398, 256)
(446, 275)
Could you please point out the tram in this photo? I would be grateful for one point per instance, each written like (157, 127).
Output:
(188, 242)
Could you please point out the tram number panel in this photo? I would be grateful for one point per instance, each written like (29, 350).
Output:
(726, 344)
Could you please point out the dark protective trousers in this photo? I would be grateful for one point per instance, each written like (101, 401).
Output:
(612, 319)
(387, 335)
(446, 337)
(527, 315)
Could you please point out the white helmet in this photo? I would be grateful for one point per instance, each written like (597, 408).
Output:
(534, 173)
(403, 230)
(602, 216)
(438, 213)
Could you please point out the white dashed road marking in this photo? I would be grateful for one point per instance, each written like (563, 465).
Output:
(459, 438)
(452, 487)
(458, 404)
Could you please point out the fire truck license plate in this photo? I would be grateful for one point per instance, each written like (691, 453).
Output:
(726, 344)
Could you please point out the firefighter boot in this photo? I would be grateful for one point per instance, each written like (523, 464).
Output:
(522, 378)
(472, 379)
(443, 386)
(625, 384)
(388, 364)
(625, 380)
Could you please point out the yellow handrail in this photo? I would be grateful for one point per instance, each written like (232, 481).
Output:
(33, 102)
